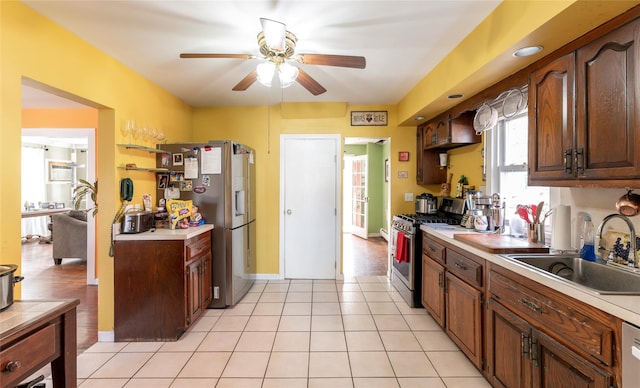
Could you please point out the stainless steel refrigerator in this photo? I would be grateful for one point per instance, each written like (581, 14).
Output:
(219, 177)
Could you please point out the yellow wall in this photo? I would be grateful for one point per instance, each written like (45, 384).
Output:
(261, 128)
(36, 48)
(484, 57)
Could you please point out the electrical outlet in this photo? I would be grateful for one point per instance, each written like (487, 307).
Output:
(408, 197)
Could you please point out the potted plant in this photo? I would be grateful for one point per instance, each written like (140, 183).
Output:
(462, 181)
(83, 189)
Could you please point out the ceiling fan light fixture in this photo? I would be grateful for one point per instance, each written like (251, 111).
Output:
(266, 71)
(287, 74)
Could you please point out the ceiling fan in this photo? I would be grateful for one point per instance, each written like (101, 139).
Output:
(277, 46)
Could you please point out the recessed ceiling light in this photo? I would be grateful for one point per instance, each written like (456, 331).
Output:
(527, 51)
(457, 95)
(419, 118)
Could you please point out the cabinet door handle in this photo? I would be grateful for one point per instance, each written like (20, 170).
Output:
(440, 279)
(531, 305)
(524, 338)
(580, 160)
(568, 161)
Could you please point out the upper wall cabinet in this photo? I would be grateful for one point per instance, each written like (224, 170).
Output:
(449, 132)
(438, 135)
(600, 145)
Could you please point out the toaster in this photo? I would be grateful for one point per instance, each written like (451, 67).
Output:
(137, 222)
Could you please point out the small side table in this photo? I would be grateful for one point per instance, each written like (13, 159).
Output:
(35, 333)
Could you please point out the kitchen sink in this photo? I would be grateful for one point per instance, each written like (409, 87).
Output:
(599, 278)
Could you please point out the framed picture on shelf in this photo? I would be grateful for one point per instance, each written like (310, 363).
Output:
(403, 156)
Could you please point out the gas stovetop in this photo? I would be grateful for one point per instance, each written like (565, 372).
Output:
(419, 219)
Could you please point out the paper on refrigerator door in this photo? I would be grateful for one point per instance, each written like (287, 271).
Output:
(211, 160)
(190, 168)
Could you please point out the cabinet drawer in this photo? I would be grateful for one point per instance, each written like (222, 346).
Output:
(465, 268)
(197, 246)
(567, 320)
(433, 249)
(28, 353)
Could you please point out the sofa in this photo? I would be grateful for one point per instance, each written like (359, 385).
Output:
(69, 235)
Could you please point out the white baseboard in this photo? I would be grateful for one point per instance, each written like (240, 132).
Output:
(106, 336)
(267, 276)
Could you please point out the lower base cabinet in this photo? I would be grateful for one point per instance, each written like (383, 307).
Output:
(464, 317)
(520, 351)
(452, 293)
(160, 287)
(520, 356)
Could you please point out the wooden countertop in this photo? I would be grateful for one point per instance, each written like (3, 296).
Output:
(164, 234)
(497, 243)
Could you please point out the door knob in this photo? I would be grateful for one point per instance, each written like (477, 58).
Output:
(288, 211)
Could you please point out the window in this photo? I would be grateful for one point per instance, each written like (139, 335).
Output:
(507, 153)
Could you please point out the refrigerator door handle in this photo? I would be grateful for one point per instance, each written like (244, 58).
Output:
(240, 203)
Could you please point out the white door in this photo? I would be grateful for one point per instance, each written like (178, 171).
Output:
(309, 206)
(359, 196)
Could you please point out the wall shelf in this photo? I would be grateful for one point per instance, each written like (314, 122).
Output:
(142, 148)
(144, 169)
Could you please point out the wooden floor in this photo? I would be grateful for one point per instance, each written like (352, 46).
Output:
(44, 280)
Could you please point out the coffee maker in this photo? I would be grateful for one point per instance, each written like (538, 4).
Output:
(485, 213)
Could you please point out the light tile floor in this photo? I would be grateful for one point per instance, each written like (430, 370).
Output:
(294, 333)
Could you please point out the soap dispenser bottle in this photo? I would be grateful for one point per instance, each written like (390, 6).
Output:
(587, 238)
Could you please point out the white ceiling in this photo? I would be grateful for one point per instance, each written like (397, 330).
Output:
(401, 40)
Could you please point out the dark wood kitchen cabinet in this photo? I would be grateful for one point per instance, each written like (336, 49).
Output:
(599, 145)
(519, 356)
(433, 289)
(160, 286)
(436, 136)
(452, 293)
(537, 337)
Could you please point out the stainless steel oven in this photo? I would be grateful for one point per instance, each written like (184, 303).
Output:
(406, 274)
(404, 271)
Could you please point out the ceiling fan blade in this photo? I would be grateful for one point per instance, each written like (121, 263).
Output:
(309, 83)
(246, 81)
(333, 60)
(274, 33)
(202, 55)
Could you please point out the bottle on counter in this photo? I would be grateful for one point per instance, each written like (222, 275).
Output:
(587, 239)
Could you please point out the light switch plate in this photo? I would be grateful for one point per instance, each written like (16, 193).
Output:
(408, 197)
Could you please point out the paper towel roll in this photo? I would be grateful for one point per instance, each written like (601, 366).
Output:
(561, 228)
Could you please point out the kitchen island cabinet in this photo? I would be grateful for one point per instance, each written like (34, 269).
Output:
(162, 282)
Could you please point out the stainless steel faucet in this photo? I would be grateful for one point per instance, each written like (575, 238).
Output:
(631, 262)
